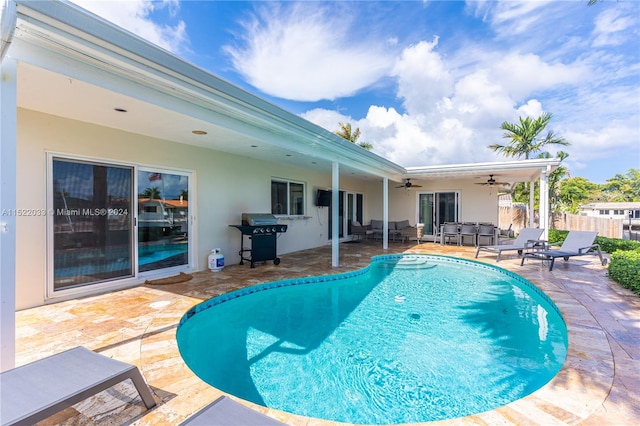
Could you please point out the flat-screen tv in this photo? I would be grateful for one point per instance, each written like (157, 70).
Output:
(323, 198)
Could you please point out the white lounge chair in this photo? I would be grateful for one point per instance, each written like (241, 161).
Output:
(35, 391)
(577, 243)
(224, 411)
(524, 240)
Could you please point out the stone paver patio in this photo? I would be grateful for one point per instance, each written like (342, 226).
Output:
(598, 384)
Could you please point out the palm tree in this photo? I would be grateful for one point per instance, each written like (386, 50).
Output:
(151, 193)
(525, 138)
(346, 133)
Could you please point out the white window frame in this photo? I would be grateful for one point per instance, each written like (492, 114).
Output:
(288, 182)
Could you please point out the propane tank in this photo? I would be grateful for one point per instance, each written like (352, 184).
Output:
(216, 260)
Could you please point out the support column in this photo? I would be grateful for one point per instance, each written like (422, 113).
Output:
(532, 204)
(544, 202)
(385, 213)
(335, 204)
(8, 119)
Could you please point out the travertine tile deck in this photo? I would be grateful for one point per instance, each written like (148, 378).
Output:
(599, 383)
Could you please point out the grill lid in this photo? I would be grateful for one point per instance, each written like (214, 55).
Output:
(258, 219)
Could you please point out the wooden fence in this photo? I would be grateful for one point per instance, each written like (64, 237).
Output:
(606, 227)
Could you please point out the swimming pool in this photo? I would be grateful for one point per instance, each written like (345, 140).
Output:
(408, 339)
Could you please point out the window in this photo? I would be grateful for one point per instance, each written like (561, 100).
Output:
(287, 198)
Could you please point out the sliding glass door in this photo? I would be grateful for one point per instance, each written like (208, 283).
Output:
(163, 219)
(436, 208)
(92, 226)
(101, 232)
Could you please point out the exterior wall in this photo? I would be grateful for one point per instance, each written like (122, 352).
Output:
(226, 186)
(477, 203)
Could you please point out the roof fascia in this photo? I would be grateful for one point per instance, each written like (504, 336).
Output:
(534, 165)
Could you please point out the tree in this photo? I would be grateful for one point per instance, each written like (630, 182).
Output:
(346, 133)
(554, 181)
(576, 191)
(151, 193)
(525, 140)
(623, 188)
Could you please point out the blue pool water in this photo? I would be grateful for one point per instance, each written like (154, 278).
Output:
(407, 339)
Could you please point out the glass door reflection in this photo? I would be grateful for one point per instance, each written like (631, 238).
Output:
(163, 220)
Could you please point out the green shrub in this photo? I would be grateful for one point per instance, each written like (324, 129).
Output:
(624, 268)
(557, 236)
(610, 245)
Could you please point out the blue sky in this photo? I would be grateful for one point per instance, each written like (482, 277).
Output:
(427, 82)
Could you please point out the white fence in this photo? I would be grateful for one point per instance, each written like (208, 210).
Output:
(606, 227)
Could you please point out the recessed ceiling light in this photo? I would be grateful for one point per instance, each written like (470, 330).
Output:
(120, 110)
(198, 132)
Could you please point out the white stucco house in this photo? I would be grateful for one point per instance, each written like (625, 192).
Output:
(619, 210)
(94, 119)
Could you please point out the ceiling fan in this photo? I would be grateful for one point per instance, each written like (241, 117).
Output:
(408, 185)
(491, 181)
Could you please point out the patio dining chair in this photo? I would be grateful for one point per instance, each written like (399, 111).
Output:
(486, 231)
(450, 230)
(468, 230)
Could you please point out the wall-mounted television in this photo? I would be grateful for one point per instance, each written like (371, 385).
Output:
(323, 198)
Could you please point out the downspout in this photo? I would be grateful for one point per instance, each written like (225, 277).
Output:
(8, 20)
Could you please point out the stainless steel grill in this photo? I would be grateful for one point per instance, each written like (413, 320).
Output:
(262, 230)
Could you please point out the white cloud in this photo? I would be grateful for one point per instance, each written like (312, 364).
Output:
(511, 17)
(423, 78)
(612, 27)
(452, 115)
(302, 52)
(134, 16)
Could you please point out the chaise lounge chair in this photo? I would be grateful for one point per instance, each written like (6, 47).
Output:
(523, 241)
(577, 243)
(224, 411)
(35, 391)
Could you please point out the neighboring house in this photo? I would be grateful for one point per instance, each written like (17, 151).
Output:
(627, 211)
(93, 116)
